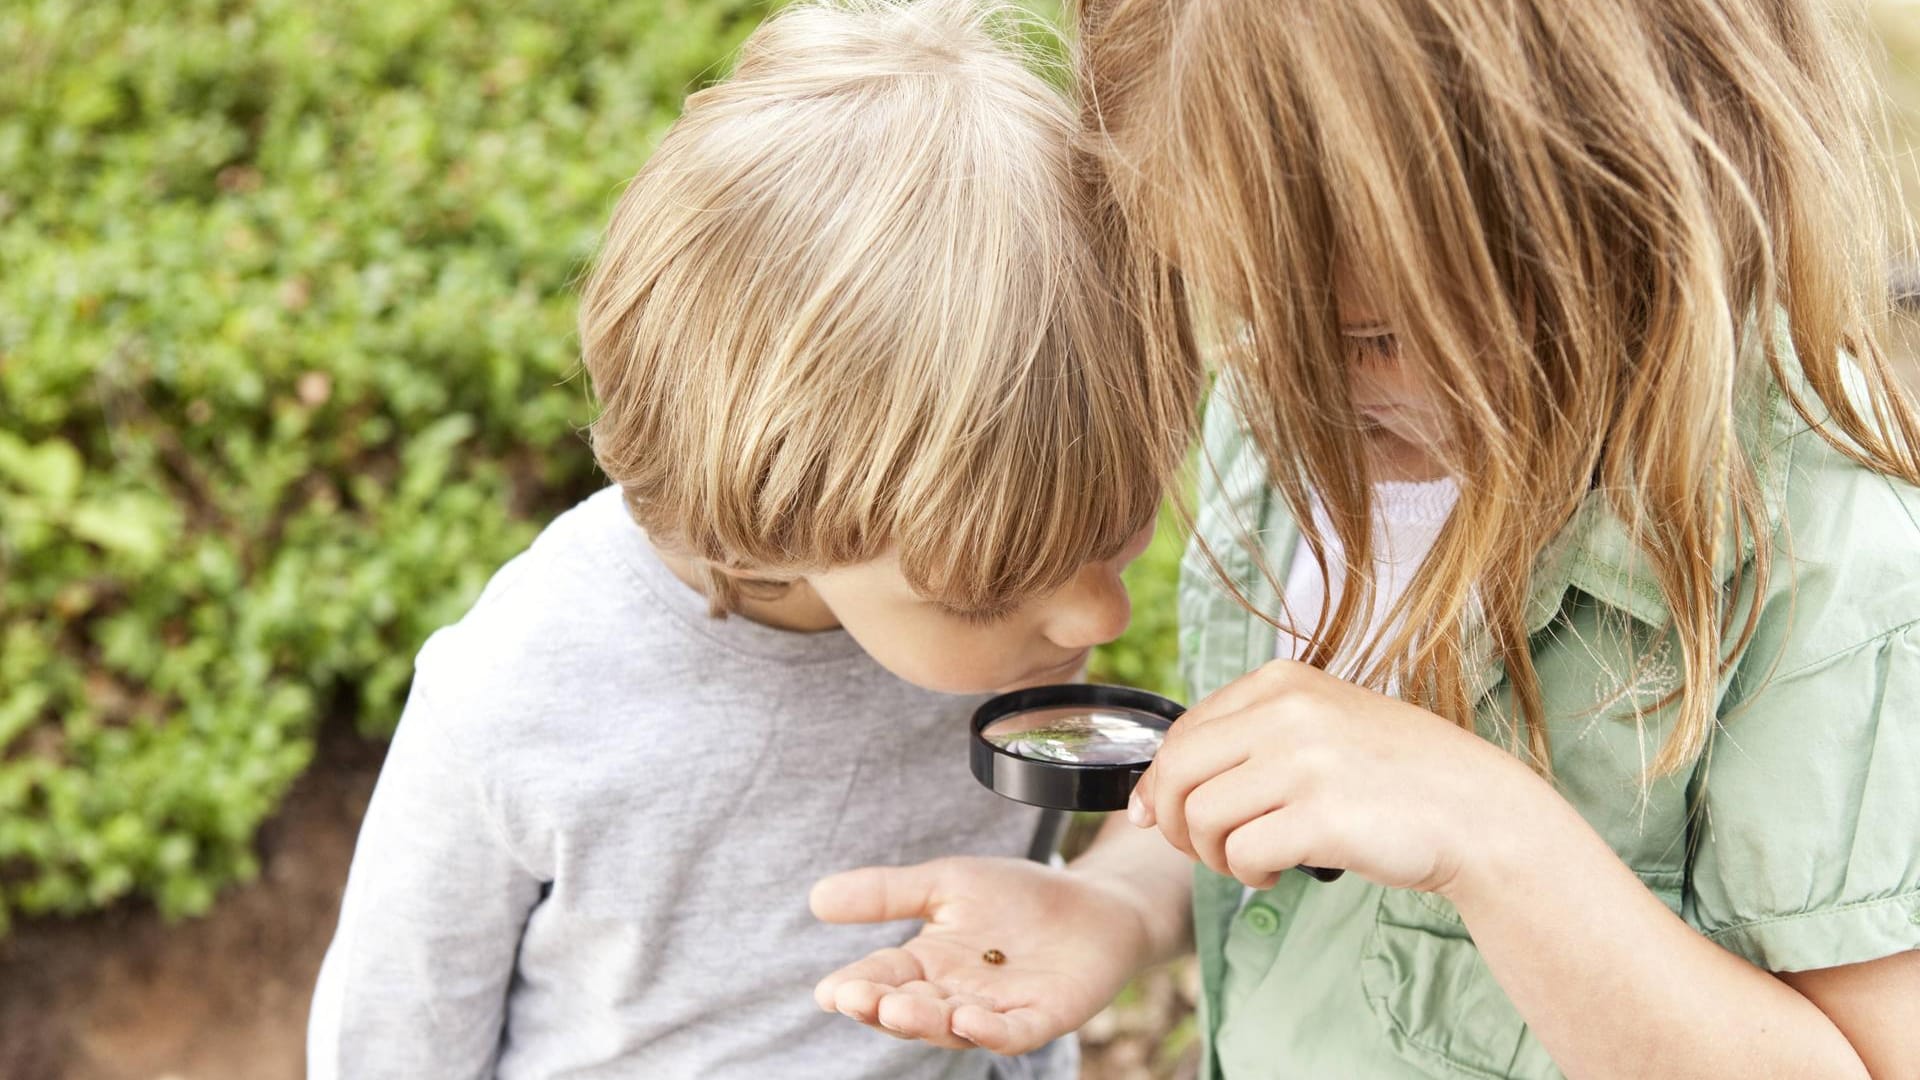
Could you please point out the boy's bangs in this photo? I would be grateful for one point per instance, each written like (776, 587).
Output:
(1067, 471)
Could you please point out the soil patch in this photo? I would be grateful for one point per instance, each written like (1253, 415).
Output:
(127, 995)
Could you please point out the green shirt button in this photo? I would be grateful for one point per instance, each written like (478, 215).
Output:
(1262, 919)
(1914, 916)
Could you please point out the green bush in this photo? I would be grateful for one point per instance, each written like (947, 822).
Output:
(285, 345)
(286, 370)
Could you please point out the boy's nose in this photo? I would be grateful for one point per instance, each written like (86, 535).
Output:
(1092, 610)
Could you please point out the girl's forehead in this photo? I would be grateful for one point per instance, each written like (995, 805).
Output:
(1356, 308)
(1356, 298)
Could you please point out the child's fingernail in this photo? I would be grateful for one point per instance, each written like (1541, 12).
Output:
(1136, 812)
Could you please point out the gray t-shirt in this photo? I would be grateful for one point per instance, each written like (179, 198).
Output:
(589, 852)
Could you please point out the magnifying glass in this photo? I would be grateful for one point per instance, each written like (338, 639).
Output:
(1074, 746)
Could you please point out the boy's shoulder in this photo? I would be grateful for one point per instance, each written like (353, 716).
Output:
(556, 597)
(587, 636)
(557, 626)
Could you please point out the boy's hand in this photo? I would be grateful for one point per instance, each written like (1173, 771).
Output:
(1067, 941)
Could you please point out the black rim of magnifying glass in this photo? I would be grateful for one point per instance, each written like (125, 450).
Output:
(1062, 785)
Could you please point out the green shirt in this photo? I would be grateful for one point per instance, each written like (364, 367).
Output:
(1804, 851)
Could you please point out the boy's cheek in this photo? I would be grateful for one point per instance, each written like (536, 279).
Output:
(949, 668)
(939, 657)
(922, 645)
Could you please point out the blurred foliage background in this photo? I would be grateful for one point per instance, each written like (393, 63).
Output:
(286, 351)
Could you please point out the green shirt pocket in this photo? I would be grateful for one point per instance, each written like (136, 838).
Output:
(1434, 997)
(1437, 1001)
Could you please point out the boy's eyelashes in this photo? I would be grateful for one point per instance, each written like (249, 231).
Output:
(986, 616)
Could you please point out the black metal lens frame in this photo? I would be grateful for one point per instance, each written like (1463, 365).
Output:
(1060, 785)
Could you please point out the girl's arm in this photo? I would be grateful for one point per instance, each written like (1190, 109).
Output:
(1290, 766)
(1615, 985)
(1876, 1004)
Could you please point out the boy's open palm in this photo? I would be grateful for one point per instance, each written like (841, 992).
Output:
(1066, 944)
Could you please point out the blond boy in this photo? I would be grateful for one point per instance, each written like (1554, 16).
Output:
(880, 444)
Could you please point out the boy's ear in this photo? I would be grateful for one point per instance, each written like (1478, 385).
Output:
(727, 585)
(744, 578)
(708, 569)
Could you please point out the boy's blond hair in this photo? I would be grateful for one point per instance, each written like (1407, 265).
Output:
(856, 303)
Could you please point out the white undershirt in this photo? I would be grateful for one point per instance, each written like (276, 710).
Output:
(1407, 518)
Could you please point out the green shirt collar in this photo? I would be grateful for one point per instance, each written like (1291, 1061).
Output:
(1597, 555)
(1594, 553)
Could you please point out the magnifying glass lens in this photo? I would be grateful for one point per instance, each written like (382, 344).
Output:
(1079, 735)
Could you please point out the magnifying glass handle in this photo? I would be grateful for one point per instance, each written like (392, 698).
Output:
(1321, 873)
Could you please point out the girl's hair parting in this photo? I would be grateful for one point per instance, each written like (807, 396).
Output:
(1586, 222)
(863, 299)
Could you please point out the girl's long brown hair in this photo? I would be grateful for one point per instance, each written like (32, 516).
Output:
(1585, 222)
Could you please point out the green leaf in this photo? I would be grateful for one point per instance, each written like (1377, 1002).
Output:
(141, 527)
(51, 469)
(22, 706)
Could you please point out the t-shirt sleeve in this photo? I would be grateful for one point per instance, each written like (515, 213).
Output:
(1806, 847)
(415, 981)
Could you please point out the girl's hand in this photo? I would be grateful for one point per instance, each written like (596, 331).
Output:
(1289, 766)
(1066, 942)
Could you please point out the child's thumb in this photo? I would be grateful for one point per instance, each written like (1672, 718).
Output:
(874, 894)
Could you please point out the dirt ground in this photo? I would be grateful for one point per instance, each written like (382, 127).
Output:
(127, 996)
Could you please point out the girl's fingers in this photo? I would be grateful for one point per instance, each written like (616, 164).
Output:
(918, 1014)
(1184, 764)
(1224, 803)
(1248, 690)
(1264, 683)
(1256, 853)
(1257, 687)
(1015, 1031)
(1140, 803)
(888, 967)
